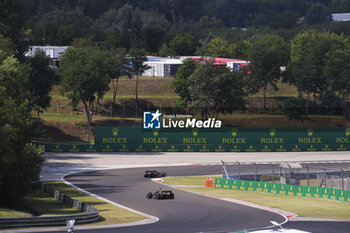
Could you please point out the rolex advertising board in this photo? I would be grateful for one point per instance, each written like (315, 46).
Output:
(225, 139)
(183, 133)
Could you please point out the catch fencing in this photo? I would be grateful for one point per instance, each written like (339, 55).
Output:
(289, 173)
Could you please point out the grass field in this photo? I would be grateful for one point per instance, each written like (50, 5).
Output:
(109, 213)
(38, 202)
(41, 203)
(64, 124)
(10, 213)
(306, 207)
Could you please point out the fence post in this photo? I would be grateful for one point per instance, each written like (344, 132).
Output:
(280, 170)
(342, 179)
(307, 176)
(256, 171)
(290, 172)
(325, 178)
(273, 173)
(239, 170)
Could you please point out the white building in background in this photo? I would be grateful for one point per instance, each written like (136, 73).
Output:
(341, 17)
(53, 52)
(161, 66)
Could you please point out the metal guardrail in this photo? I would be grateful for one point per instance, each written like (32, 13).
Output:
(91, 214)
(48, 221)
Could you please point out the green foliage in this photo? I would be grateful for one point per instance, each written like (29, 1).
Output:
(238, 50)
(330, 101)
(337, 71)
(59, 27)
(41, 77)
(127, 29)
(318, 13)
(214, 90)
(20, 160)
(12, 20)
(181, 81)
(13, 77)
(266, 55)
(308, 52)
(121, 68)
(183, 44)
(137, 58)
(86, 74)
(217, 47)
(294, 108)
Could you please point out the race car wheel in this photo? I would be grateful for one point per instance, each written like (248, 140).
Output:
(171, 196)
(162, 174)
(149, 195)
(156, 196)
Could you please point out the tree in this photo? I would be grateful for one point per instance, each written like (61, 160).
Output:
(266, 56)
(294, 110)
(20, 161)
(121, 69)
(153, 25)
(330, 101)
(217, 47)
(14, 77)
(181, 81)
(59, 27)
(85, 75)
(41, 77)
(305, 69)
(12, 20)
(337, 71)
(238, 50)
(317, 13)
(125, 23)
(184, 44)
(137, 58)
(214, 90)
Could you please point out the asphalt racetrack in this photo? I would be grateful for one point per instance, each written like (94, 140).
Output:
(187, 212)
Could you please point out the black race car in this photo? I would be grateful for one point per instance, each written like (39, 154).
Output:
(161, 194)
(154, 174)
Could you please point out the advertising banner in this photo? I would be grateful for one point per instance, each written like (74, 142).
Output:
(284, 189)
(225, 139)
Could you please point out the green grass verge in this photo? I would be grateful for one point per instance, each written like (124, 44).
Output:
(39, 203)
(307, 207)
(109, 213)
(10, 213)
(45, 205)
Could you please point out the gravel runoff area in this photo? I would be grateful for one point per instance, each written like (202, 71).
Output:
(57, 165)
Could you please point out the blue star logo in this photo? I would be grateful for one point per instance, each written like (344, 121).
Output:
(151, 120)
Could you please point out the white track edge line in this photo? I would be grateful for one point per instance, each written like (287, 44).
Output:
(285, 217)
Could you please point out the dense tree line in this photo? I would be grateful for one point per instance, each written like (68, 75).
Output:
(20, 159)
(127, 24)
(315, 62)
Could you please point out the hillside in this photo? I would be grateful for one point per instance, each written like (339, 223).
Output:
(66, 125)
